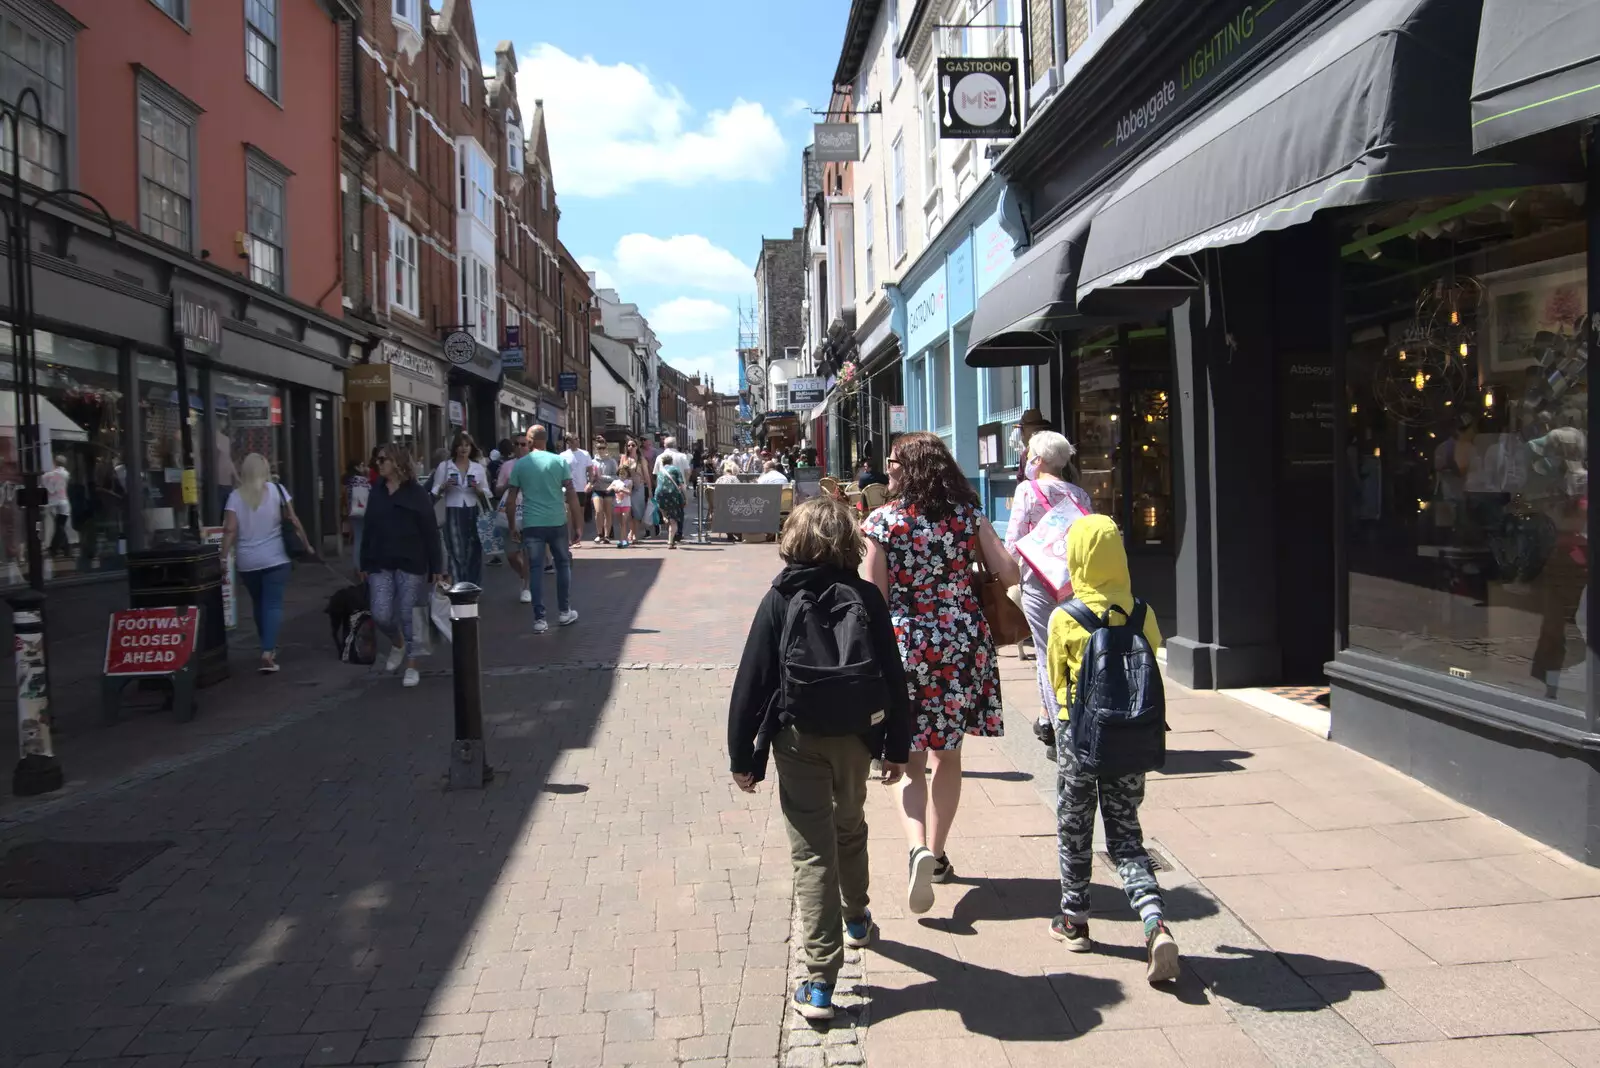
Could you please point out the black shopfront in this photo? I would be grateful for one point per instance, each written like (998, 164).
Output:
(1308, 284)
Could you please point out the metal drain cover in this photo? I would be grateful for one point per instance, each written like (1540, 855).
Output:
(73, 870)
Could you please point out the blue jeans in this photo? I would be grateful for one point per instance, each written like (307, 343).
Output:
(266, 588)
(534, 542)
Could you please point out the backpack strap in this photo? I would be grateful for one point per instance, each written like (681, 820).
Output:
(1136, 617)
(1080, 612)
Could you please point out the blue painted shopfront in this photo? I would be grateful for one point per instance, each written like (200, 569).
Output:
(935, 301)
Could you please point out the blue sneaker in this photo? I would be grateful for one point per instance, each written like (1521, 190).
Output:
(814, 1000)
(858, 933)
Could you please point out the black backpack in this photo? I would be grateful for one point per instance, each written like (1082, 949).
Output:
(831, 684)
(1119, 706)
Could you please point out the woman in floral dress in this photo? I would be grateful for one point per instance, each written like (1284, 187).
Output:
(921, 547)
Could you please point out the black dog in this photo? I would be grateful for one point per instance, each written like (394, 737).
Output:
(342, 604)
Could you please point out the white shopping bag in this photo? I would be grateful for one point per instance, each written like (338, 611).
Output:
(439, 610)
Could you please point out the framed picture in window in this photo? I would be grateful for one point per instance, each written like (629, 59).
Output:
(1526, 308)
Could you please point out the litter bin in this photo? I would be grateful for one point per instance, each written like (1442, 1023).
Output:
(182, 576)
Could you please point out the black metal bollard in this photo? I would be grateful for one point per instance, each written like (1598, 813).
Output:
(468, 768)
(38, 771)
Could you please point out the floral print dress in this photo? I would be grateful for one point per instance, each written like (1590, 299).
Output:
(938, 622)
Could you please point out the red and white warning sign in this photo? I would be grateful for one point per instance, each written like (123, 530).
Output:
(151, 641)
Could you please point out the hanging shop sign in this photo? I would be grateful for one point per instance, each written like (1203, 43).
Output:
(458, 414)
(978, 97)
(512, 359)
(1189, 72)
(460, 347)
(518, 402)
(197, 322)
(836, 142)
(927, 313)
(567, 382)
(897, 418)
(806, 393)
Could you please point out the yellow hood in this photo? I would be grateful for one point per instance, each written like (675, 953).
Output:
(1098, 564)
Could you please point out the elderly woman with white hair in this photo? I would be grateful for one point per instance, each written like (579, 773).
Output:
(1046, 485)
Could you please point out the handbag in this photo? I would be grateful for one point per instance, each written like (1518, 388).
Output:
(359, 495)
(1044, 548)
(293, 543)
(1007, 624)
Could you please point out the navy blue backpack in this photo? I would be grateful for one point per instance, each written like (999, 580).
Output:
(1119, 706)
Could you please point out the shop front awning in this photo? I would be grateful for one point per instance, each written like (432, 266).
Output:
(1537, 70)
(1369, 105)
(1017, 320)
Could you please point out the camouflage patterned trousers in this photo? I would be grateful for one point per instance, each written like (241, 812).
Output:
(1077, 796)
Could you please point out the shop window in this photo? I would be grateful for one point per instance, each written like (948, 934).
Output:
(1122, 427)
(407, 428)
(161, 448)
(1467, 456)
(264, 196)
(261, 45)
(916, 394)
(81, 453)
(35, 55)
(249, 418)
(166, 174)
(943, 409)
(1003, 391)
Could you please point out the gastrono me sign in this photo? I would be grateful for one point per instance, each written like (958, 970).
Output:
(978, 98)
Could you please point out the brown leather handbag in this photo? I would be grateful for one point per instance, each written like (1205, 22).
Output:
(1007, 624)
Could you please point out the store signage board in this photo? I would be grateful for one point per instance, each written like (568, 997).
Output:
(897, 418)
(460, 347)
(927, 313)
(747, 508)
(414, 362)
(806, 392)
(512, 359)
(979, 97)
(514, 336)
(151, 641)
(368, 383)
(1308, 416)
(836, 142)
(1190, 72)
(567, 382)
(230, 579)
(197, 322)
(518, 402)
(458, 414)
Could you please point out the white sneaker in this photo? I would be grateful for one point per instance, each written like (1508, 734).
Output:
(540, 626)
(397, 656)
(411, 678)
(568, 618)
(525, 597)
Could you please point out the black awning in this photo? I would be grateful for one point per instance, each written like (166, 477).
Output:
(1017, 320)
(1370, 104)
(1538, 69)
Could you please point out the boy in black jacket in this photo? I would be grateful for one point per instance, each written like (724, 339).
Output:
(805, 717)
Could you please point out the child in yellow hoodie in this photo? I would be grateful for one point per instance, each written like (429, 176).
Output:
(1099, 568)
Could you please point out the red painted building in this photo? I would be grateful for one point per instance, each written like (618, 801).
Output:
(210, 133)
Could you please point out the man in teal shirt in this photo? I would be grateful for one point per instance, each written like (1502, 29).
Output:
(543, 481)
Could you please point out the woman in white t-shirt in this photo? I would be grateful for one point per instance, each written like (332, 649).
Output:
(253, 524)
(464, 484)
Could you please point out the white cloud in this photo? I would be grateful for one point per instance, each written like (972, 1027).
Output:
(683, 260)
(612, 128)
(798, 106)
(596, 266)
(689, 315)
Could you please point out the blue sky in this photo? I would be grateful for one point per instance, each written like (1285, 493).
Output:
(675, 133)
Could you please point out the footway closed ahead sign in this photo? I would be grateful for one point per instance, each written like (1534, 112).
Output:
(151, 641)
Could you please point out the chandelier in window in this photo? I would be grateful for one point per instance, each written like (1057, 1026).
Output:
(1426, 376)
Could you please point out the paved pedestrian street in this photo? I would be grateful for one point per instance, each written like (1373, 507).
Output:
(612, 899)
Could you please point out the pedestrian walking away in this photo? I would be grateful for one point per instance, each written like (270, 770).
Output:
(921, 548)
(1047, 492)
(541, 484)
(820, 687)
(401, 554)
(463, 484)
(1099, 566)
(670, 496)
(253, 524)
(507, 520)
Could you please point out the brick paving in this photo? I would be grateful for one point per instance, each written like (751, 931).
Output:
(612, 900)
